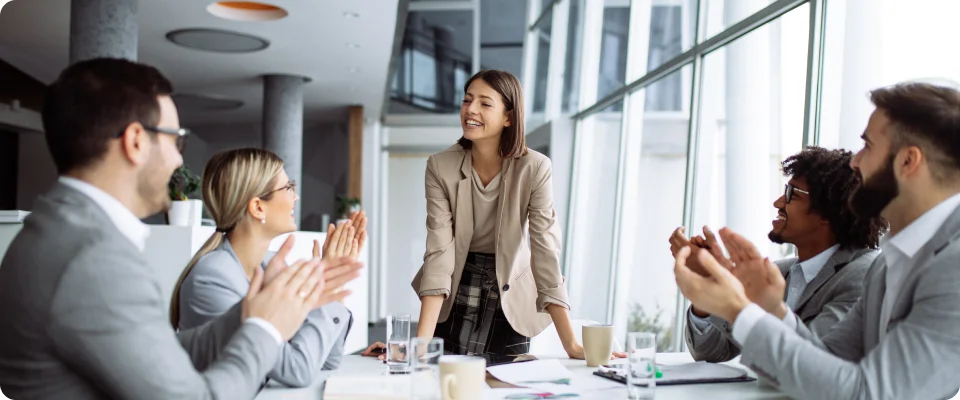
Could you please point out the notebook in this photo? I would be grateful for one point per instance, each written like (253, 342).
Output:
(683, 374)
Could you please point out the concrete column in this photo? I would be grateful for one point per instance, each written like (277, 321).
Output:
(103, 28)
(748, 106)
(283, 123)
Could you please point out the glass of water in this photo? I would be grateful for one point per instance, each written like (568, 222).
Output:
(425, 366)
(398, 337)
(642, 359)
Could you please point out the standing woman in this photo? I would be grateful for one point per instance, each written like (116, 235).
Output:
(482, 289)
(251, 199)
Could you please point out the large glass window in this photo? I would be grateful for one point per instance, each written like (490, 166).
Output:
(502, 28)
(542, 33)
(613, 48)
(590, 240)
(722, 14)
(751, 118)
(436, 59)
(571, 71)
(863, 54)
(653, 197)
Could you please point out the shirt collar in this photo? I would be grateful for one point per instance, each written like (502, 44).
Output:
(813, 266)
(121, 216)
(920, 231)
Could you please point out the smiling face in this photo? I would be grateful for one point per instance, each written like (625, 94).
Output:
(795, 221)
(483, 114)
(278, 209)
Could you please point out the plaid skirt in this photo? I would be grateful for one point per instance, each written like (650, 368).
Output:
(477, 325)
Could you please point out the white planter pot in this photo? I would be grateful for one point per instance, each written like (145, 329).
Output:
(185, 213)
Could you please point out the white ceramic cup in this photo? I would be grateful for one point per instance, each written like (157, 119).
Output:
(462, 377)
(597, 344)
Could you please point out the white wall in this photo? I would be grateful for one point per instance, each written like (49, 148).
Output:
(406, 230)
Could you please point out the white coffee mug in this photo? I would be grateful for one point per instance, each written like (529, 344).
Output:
(462, 377)
(597, 344)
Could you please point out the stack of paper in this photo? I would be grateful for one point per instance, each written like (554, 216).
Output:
(375, 387)
(548, 376)
(13, 216)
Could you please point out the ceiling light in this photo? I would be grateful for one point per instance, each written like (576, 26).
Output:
(351, 14)
(217, 40)
(246, 11)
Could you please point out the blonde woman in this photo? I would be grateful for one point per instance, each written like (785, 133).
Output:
(251, 199)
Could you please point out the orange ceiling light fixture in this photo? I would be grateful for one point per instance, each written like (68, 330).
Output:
(246, 11)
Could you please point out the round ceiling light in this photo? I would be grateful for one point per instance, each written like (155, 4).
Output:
(217, 40)
(246, 11)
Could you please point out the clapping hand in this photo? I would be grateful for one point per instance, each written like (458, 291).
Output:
(762, 281)
(345, 239)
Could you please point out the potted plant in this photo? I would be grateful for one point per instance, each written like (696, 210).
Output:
(183, 210)
(346, 206)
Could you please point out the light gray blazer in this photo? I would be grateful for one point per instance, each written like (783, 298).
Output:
(83, 317)
(218, 281)
(919, 358)
(823, 303)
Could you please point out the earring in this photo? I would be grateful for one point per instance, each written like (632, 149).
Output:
(263, 220)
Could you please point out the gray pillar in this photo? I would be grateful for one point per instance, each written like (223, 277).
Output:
(283, 124)
(103, 28)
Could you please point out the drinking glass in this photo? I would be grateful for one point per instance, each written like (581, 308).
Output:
(642, 361)
(398, 337)
(425, 366)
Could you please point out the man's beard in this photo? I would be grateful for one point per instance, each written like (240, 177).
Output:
(152, 185)
(873, 195)
(775, 237)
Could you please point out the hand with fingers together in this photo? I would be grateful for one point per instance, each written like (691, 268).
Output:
(762, 281)
(718, 292)
(345, 239)
(706, 242)
(286, 300)
(337, 273)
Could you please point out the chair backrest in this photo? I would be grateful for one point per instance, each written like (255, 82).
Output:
(548, 343)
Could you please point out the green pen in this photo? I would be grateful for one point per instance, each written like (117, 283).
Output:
(659, 373)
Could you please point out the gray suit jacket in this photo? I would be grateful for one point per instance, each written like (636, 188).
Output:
(218, 281)
(919, 358)
(83, 318)
(824, 302)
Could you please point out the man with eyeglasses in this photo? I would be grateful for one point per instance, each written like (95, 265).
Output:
(82, 315)
(834, 250)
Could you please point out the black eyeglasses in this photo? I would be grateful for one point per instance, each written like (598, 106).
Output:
(788, 190)
(291, 186)
(181, 134)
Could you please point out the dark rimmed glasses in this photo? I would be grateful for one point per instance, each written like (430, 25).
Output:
(291, 186)
(788, 190)
(181, 134)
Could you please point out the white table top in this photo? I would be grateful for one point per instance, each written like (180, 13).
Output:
(359, 366)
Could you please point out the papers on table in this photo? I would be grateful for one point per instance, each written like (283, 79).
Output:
(373, 387)
(548, 376)
(12, 216)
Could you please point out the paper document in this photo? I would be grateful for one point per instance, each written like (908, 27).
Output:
(532, 373)
(376, 387)
(699, 371)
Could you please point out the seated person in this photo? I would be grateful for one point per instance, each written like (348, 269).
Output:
(834, 247)
(251, 199)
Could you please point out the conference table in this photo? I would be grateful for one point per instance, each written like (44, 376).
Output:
(354, 365)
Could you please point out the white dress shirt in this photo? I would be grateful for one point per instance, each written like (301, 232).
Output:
(137, 232)
(801, 274)
(898, 251)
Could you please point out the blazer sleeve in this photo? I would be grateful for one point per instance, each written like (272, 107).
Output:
(302, 357)
(843, 299)
(917, 358)
(712, 344)
(109, 319)
(438, 260)
(545, 241)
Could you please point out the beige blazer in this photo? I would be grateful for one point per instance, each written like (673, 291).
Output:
(529, 277)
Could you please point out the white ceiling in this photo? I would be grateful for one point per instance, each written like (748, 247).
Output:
(312, 41)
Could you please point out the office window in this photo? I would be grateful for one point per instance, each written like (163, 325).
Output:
(502, 28)
(751, 119)
(613, 50)
(591, 234)
(653, 196)
(435, 58)
(722, 14)
(571, 74)
(862, 54)
(542, 32)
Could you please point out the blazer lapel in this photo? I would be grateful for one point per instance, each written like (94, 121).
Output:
(463, 221)
(837, 261)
